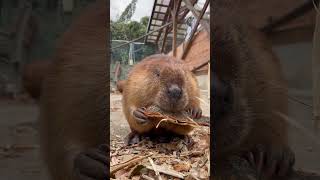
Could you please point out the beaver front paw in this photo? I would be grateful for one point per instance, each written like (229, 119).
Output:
(277, 162)
(140, 116)
(195, 112)
(92, 164)
(132, 138)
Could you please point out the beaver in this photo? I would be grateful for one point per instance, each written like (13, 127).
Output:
(165, 82)
(33, 75)
(73, 103)
(249, 87)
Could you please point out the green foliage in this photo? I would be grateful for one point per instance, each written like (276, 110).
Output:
(125, 29)
(144, 50)
(128, 12)
(120, 54)
(128, 30)
(144, 21)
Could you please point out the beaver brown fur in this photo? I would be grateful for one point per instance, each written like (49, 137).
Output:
(73, 103)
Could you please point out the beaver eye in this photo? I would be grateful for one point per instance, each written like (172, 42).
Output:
(157, 72)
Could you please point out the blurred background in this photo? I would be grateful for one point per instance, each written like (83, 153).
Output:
(290, 27)
(28, 33)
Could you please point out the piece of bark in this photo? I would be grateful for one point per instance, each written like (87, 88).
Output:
(168, 120)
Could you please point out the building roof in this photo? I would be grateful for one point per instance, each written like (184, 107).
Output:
(161, 14)
(261, 13)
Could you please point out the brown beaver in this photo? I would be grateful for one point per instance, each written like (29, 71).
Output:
(163, 81)
(248, 87)
(33, 75)
(73, 104)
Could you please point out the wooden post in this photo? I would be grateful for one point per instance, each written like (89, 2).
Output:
(316, 73)
(174, 19)
(166, 32)
(208, 80)
(165, 20)
(188, 42)
(6, 12)
(60, 15)
(67, 5)
(19, 56)
(189, 5)
(164, 39)
(117, 71)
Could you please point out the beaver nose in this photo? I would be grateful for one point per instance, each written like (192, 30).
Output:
(174, 91)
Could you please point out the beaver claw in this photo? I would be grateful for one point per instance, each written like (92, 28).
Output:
(271, 162)
(132, 138)
(92, 164)
(195, 113)
(139, 115)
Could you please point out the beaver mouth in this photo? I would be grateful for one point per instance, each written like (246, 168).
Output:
(170, 106)
(171, 102)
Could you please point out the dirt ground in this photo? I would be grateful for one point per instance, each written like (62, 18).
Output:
(307, 151)
(19, 147)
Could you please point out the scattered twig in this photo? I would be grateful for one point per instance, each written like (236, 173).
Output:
(174, 160)
(146, 177)
(192, 153)
(166, 171)
(128, 163)
(154, 168)
(203, 124)
(161, 122)
(134, 171)
(203, 163)
(194, 177)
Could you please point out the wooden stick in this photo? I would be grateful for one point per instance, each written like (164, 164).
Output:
(146, 177)
(142, 36)
(174, 20)
(190, 5)
(18, 55)
(167, 171)
(154, 169)
(194, 30)
(209, 80)
(136, 159)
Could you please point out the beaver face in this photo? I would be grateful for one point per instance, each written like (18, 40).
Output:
(172, 94)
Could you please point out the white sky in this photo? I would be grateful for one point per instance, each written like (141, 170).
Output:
(143, 8)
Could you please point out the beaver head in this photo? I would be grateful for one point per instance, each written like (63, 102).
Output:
(172, 92)
(160, 80)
